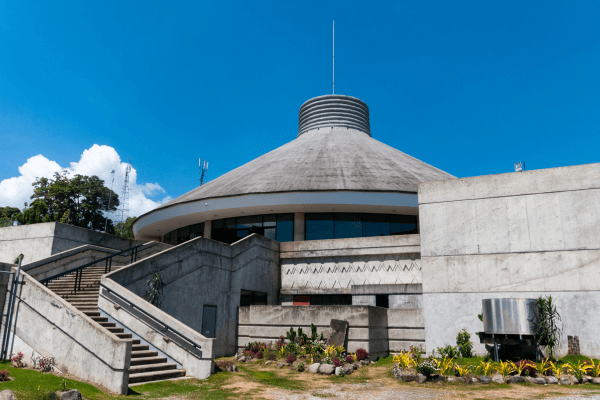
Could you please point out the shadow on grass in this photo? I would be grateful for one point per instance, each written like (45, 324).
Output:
(273, 379)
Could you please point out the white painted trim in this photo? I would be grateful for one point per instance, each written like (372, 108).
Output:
(163, 220)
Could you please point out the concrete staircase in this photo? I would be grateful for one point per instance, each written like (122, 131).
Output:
(146, 365)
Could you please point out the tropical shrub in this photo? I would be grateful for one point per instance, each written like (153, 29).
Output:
(463, 341)
(403, 360)
(4, 375)
(416, 353)
(260, 355)
(484, 368)
(445, 366)
(290, 358)
(271, 356)
(361, 354)
(505, 368)
(525, 367)
(428, 367)
(349, 358)
(547, 324)
(17, 360)
(462, 370)
(448, 351)
(224, 365)
(544, 366)
(337, 362)
(595, 369)
(301, 367)
(579, 369)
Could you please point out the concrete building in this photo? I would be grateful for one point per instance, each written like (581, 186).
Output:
(333, 224)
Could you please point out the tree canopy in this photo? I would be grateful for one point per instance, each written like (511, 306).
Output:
(81, 201)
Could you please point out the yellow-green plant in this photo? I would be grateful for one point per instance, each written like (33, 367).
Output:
(505, 368)
(579, 369)
(353, 355)
(543, 366)
(330, 351)
(519, 367)
(595, 368)
(403, 360)
(485, 368)
(340, 349)
(556, 369)
(445, 365)
(462, 370)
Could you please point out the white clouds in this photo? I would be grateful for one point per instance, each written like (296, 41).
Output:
(97, 160)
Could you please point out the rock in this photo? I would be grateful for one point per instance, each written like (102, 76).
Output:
(354, 366)
(268, 362)
(472, 380)
(596, 381)
(552, 380)
(372, 362)
(574, 381)
(529, 379)
(451, 379)
(585, 380)
(498, 379)
(337, 332)
(364, 362)
(438, 378)
(293, 368)
(281, 365)
(71, 395)
(234, 368)
(564, 381)
(420, 378)
(314, 368)
(539, 381)
(10, 395)
(238, 356)
(408, 376)
(338, 370)
(515, 379)
(461, 379)
(326, 369)
(348, 369)
(485, 379)
(357, 365)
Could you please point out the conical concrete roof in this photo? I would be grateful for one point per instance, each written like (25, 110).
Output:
(334, 158)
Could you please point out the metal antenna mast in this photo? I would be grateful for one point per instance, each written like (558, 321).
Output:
(333, 56)
(125, 194)
(109, 198)
(203, 170)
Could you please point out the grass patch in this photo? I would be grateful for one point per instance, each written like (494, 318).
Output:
(273, 379)
(575, 359)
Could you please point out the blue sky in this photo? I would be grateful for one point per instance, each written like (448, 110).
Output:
(469, 87)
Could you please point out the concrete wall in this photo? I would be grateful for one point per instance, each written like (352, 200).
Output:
(334, 266)
(206, 272)
(39, 241)
(368, 326)
(512, 235)
(187, 347)
(45, 323)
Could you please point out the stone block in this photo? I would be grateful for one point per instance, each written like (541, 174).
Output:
(552, 380)
(338, 330)
(485, 379)
(515, 379)
(498, 379)
(338, 370)
(564, 381)
(408, 376)
(420, 378)
(10, 395)
(472, 380)
(71, 395)
(596, 381)
(451, 379)
(348, 369)
(326, 369)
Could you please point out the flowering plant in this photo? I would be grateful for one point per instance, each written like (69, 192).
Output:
(18, 360)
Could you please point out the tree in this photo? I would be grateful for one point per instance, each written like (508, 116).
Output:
(125, 229)
(80, 201)
(7, 215)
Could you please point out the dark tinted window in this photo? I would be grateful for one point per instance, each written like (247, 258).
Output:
(348, 225)
(319, 226)
(376, 225)
(285, 227)
(403, 224)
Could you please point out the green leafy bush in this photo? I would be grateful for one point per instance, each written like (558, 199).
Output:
(448, 351)
(465, 346)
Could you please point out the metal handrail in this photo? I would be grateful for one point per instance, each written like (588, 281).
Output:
(167, 327)
(79, 270)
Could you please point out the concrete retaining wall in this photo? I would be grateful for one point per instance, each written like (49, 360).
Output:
(50, 326)
(206, 272)
(512, 235)
(151, 325)
(377, 330)
(334, 266)
(38, 241)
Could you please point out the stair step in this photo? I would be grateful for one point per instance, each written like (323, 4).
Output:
(107, 324)
(156, 375)
(139, 347)
(135, 341)
(138, 369)
(123, 335)
(148, 360)
(144, 353)
(92, 313)
(114, 329)
(100, 319)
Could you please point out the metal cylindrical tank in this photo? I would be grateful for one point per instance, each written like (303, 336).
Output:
(509, 316)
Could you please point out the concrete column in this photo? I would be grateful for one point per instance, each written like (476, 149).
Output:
(207, 229)
(362, 300)
(298, 227)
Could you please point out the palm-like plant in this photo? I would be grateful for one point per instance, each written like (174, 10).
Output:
(505, 368)
(595, 368)
(462, 370)
(445, 365)
(579, 369)
(485, 368)
(403, 360)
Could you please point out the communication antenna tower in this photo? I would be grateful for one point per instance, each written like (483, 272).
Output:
(109, 199)
(203, 170)
(125, 194)
(333, 56)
